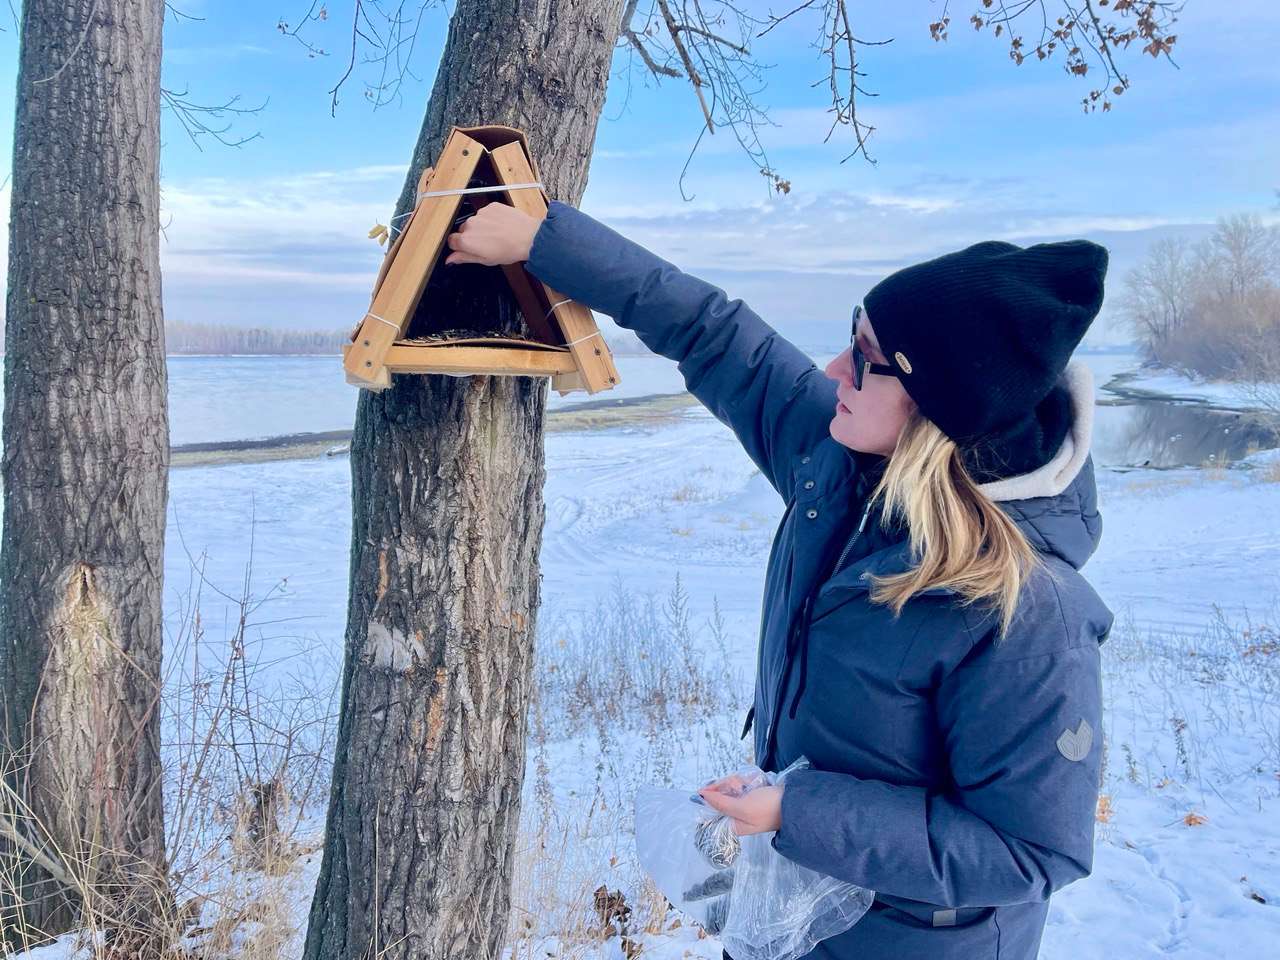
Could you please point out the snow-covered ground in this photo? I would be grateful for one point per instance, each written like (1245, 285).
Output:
(1188, 852)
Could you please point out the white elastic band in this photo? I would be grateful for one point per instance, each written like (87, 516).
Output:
(395, 326)
(495, 189)
(571, 343)
(552, 309)
(452, 193)
(580, 339)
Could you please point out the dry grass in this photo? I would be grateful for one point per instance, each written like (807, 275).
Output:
(1164, 482)
(239, 769)
(633, 682)
(629, 684)
(686, 493)
(632, 663)
(1188, 700)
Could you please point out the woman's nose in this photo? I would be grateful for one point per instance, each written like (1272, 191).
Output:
(840, 368)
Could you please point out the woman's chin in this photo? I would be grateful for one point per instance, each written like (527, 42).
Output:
(842, 431)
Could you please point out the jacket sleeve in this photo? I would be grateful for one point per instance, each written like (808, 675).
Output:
(749, 376)
(1023, 740)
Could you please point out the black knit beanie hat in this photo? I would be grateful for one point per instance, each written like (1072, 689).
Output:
(979, 339)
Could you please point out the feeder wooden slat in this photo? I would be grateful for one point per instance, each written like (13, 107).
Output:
(407, 357)
(401, 232)
(594, 359)
(407, 276)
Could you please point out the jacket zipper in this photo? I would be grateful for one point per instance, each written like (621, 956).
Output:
(862, 525)
(802, 624)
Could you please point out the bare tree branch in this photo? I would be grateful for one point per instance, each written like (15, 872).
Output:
(1081, 26)
(181, 14)
(711, 36)
(708, 43)
(383, 36)
(634, 40)
(690, 72)
(195, 117)
(88, 25)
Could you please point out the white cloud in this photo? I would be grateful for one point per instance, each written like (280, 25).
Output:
(913, 204)
(294, 250)
(310, 224)
(850, 232)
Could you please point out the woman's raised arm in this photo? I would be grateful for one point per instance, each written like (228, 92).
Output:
(764, 388)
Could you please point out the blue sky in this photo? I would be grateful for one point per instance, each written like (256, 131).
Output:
(969, 146)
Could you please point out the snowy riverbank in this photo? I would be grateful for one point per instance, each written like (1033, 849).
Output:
(1188, 851)
(1163, 382)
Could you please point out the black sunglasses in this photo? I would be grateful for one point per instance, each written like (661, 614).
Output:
(861, 365)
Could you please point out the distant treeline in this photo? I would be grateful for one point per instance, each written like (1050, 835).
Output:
(212, 338)
(219, 340)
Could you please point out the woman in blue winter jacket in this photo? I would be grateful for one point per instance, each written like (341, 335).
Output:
(927, 640)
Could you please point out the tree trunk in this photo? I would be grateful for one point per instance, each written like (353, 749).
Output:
(447, 476)
(85, 471)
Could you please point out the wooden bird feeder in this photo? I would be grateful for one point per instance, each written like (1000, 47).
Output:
(563, 341)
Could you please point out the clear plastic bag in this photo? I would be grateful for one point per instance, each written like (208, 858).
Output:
(762, 905)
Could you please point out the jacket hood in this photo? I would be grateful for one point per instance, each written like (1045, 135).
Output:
(1054, 505)
(1055, 476)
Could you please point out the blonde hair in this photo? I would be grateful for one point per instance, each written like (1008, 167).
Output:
(960, 538)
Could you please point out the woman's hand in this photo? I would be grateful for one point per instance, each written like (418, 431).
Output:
(757, 811)
(497, 234)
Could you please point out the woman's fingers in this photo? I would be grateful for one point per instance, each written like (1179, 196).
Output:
(754, 812)
(719, 801)
(462, 256)
(733, 784)
(464, 249)
(732, 807)
(494, 235)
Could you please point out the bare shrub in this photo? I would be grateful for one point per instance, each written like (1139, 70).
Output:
(1213, 309)
(250, 724)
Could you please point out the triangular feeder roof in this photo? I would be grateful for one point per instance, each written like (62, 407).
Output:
(568, 346)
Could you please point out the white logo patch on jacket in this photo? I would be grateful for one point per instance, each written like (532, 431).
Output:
(1075, 744)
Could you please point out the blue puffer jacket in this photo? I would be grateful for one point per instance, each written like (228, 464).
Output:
(954, 775)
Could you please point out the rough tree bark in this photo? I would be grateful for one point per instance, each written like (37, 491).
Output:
(85, 470)
(447, 478)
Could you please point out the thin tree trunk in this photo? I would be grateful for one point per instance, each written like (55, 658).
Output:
(85, 470)
(447, 477)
